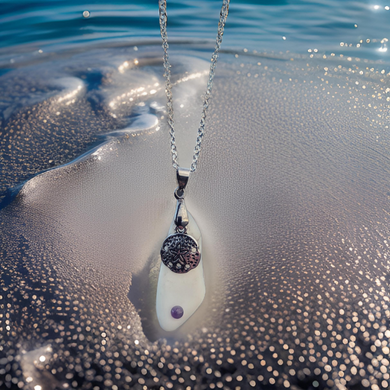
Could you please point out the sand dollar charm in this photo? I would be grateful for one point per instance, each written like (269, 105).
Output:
(180, 253)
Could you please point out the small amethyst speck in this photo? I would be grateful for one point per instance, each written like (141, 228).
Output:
(177, 312)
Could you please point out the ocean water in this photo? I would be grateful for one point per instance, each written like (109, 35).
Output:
(31, 29)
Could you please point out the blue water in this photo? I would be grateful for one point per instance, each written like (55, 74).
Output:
(29, 29)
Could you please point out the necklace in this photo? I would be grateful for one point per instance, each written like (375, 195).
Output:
(181, 287)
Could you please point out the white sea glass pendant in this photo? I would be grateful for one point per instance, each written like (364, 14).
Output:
(181, 286)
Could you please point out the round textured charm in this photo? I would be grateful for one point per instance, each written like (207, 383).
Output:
(180, 253)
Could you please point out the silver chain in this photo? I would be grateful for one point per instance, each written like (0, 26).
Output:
(168, 87)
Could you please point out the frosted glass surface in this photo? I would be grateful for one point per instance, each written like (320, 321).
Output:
(292, 199)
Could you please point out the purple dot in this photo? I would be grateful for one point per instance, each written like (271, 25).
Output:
(177, 312)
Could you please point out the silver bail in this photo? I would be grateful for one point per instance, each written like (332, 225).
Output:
(181, 215)
(182, 176)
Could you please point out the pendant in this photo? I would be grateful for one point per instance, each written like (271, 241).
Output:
(181, 287)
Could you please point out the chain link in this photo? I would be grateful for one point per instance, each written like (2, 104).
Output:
(168, 87)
